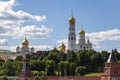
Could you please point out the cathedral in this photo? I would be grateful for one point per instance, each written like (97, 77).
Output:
(82, 43)
(25, 47)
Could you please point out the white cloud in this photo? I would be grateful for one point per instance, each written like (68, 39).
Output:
(9, 16)
(97, 37)
(36, 32)
(3, 42)
(12, 22)
(41, 47)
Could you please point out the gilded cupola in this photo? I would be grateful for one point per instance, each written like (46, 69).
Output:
(25, 42)
(62, 47)
(54, 49)
(71, 20)
(81, 32)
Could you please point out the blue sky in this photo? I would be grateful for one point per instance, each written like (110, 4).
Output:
(45, 22)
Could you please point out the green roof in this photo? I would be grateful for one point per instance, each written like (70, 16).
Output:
(5, 51)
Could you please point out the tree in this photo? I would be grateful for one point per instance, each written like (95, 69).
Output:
(90, 52)
(10, 68)
(10, 60)
(37, 78)
(19, 58)
(72, 69)
(71, 56)
(80, 70)
(105, 55)
(97, 62)
(1, 60)
(53, 56)
(38, 65)
(50, 68)
(4, 78)
(84, 58)
(64, 67)
(61, 57)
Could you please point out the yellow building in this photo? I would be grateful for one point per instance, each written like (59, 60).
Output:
(5, 54)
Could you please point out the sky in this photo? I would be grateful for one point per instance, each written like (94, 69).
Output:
(45, 22)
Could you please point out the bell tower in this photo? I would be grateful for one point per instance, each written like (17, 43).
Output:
(112, 68)
(71, 34)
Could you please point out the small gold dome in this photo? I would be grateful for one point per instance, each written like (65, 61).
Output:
(62, 47)
(25, 42)
(81, 32)
(71, 20)
(54, 49)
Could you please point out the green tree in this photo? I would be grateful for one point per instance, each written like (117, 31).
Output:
(84, 58)
(71, 56)
(97, 62)
(80, 70)
(38, 65)
(19, 58)
(64, 67)
(10, 68)
(10, 60)
(1, 60)
(4, 78)
(72, 69)
(53, 56)
(105, 55)
(61, 56)
(50, 68)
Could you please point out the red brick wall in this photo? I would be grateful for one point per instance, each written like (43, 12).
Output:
(72, 78)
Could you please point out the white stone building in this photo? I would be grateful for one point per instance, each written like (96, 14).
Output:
(82, 44)
(25, 47)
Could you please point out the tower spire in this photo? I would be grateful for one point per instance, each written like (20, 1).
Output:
(81, 26)
(71, 13)
(112, 57)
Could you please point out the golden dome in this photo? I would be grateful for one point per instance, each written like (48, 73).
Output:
(71, 20)
(54, 49)
(25, 42)
(62, 47)
(81, 32)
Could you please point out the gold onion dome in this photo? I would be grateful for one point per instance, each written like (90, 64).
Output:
(81, 32)
(25, 42)
(62, 47)
(71, 20)
(54, 49)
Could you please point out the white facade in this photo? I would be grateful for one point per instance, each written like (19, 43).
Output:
(82, 44)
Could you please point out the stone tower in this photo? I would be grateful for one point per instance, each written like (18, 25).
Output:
(71, 34)
(26, 71)
(112, 68)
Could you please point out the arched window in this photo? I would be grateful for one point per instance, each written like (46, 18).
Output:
(71, 38)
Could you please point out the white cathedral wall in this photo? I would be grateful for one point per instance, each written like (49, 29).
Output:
(83, 47)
